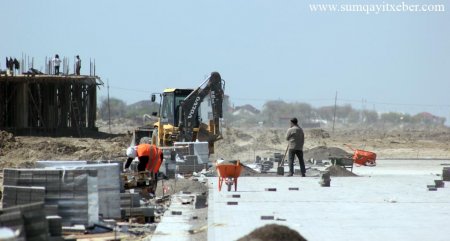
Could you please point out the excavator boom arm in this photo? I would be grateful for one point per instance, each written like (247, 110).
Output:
(189, 107)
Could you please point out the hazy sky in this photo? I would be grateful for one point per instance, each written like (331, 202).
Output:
(391, 61)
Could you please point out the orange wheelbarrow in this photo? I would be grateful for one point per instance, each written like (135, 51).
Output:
(363, 158)
(228, 172)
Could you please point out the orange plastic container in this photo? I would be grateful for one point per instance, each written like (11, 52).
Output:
(229, 173)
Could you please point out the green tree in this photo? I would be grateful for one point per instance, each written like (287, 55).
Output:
(117, 107)
(138, 109)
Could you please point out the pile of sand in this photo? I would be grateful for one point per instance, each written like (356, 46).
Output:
(338, 171)
(271, 232)
(325, 153)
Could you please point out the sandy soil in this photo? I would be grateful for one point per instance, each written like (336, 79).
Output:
(394, 144)
(242, 144)
(237, 144)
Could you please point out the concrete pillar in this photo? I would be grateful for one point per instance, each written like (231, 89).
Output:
(22, 105)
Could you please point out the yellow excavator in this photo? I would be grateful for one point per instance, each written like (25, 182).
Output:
(182, 117)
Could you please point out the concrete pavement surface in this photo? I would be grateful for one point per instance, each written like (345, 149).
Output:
(388, 202)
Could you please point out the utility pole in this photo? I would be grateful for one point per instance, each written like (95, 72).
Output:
(109, 109)
(335, 106)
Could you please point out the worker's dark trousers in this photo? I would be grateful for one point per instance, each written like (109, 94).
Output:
(299, 154)
(143, 160)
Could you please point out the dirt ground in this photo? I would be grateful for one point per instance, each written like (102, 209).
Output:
(246, 144)
(237, 144)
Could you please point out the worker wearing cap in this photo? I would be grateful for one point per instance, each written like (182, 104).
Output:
(150, 157)
(296, 139)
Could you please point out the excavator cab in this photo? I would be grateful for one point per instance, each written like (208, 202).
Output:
(169, 116)
(171, 105)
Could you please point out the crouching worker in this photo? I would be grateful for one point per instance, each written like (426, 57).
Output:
(150, 159)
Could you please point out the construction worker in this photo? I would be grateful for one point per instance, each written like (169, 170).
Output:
(296, 139)
(77, 65)
(150, 157)
(56, 63)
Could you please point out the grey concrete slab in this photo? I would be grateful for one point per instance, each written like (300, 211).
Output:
(177, 220)
(388, 202)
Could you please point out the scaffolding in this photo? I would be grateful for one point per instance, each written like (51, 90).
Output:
(53, 105)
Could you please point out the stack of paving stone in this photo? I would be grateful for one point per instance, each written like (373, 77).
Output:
(129, 200)
(267, 164)
(278, 157)
(128, 203)
(195, 156)
(130, 207)
(108, 179)
(74, 192)
(54, 226)
(109, 183)
(53, 163)
(199, 149)
(446, 174)
(14, 195)
(169, 164)
(29, 220)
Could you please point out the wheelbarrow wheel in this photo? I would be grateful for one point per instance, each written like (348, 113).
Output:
(229, 183)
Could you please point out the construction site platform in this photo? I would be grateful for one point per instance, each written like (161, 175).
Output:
(388, 202)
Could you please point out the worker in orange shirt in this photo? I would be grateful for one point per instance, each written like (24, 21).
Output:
(150, 157)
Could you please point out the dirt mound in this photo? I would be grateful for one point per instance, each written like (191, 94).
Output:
(338, 171)
(325, 153)
(248, 172)
(273, 232)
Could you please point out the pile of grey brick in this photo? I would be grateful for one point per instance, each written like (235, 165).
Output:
(199, 149)
(54, 225)
(15, 195)
(108, 180)
(30, 220)
(446, 174)
(74, 192)
(130, 207)
(129, 200)
(193, 158)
